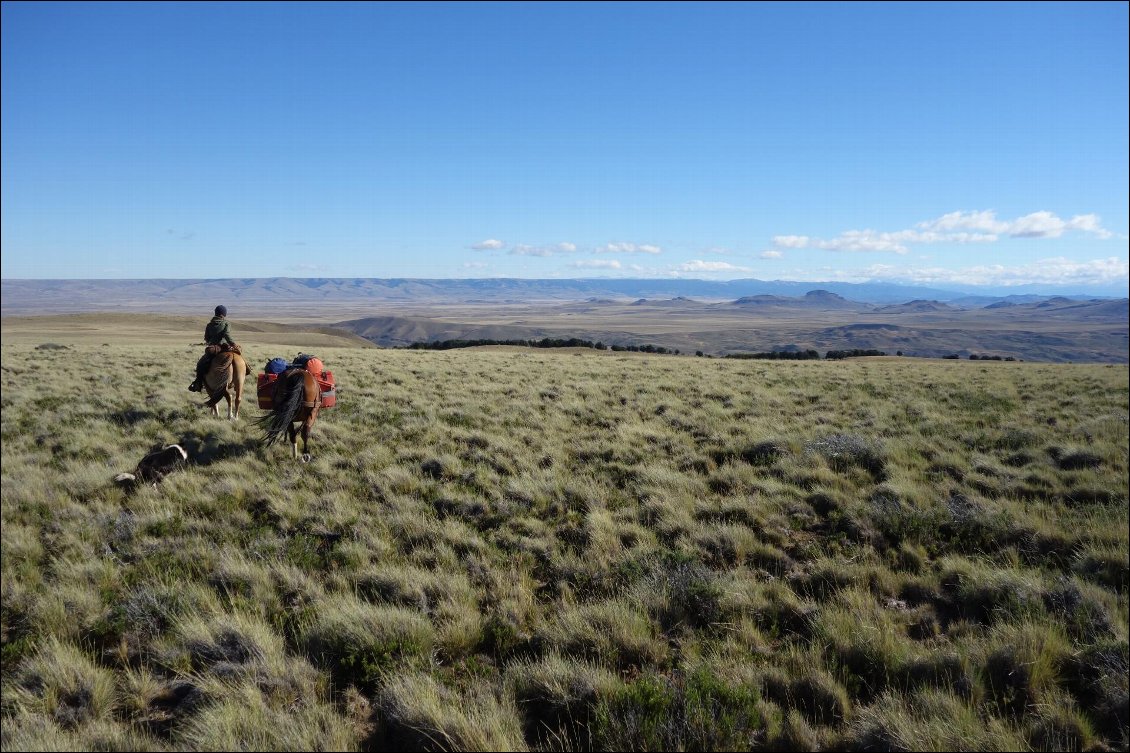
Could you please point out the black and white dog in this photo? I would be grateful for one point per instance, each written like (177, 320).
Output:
(155, 466)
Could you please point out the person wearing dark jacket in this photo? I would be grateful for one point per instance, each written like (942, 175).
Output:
(217, 333)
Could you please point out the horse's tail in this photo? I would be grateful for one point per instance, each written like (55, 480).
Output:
(220, 365)
(216, 395)
(287, 402)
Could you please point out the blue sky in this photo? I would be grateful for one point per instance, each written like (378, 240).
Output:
(949, 143)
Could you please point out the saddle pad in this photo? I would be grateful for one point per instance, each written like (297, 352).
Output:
(265, 390)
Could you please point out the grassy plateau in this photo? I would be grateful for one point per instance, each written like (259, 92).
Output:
(516, 549)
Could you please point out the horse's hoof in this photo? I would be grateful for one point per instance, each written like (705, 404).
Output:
(306, 457)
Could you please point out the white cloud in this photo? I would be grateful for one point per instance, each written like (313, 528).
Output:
(475, 265)
(981, 222)
(790, 241)
(628, 248)
(955, 227)
(596, 264)
(873, 240)
(771, 255)
(1089, 223)
(915, 236)
(524, 250)
(864, 240)
(1037, 225)
(557, 248)
(1053, 271)
(698, 265)
(488, 245)
(1041, 224)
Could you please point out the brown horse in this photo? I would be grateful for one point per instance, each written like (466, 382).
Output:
(224, 381)
(297, 399)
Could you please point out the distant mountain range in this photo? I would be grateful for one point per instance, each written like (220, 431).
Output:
(1053, 329)
(70, 296)
(689, 315)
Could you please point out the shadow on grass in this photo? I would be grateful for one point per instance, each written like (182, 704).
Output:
(132, 417)
(210, 448)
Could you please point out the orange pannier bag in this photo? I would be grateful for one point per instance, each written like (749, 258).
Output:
(266, 389)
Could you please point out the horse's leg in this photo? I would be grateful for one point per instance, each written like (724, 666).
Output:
(229, 389)
(293, 433)
(236, 385)
(309, 422)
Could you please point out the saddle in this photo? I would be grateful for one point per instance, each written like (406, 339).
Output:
(212, 350)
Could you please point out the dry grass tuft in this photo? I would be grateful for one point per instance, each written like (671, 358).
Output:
(513, 550)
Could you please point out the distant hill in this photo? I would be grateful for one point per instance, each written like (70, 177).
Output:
(184, 296)
(254, 336)
(822, 300)
(400, 331)
(1067, 307)
(678, 302)
(918, 307)
(827, 300)
(764, 300)
(982, 301)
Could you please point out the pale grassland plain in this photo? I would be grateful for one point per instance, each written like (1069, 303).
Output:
(525, 549)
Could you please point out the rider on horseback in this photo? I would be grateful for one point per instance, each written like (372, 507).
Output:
(218, 338)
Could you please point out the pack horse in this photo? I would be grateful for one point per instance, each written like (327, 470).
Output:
(294, 397)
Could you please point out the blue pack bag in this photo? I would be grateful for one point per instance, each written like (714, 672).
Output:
(276, 366)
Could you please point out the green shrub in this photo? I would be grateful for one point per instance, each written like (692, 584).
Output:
(697, 712)
(361, 642)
